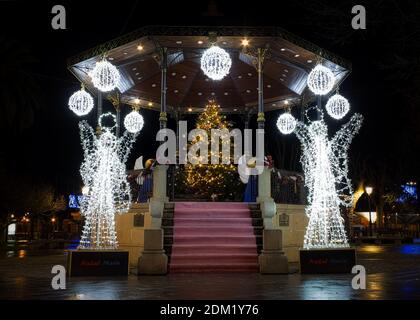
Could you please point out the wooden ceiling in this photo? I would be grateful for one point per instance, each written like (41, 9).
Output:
(287, 63)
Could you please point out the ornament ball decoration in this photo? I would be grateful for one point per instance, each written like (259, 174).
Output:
(337, 106)
(105, 76)
(215, 63)
(321, 80)
(133, 122)
(286, 123)
(81, 102)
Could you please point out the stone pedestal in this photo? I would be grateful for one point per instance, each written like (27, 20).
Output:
(153, 260)
(157, 201)
(92, 263)
(267, 204)
(272, 259)
(330, 260)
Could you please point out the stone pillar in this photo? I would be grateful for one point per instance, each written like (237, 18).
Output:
(267, 204)
(153, 260)
(272, 259)
(157, 201)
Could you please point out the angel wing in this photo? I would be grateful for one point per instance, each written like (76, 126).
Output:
(338, 147)
(87, 136)
(89, 140)
(125, 144)
(307, 159)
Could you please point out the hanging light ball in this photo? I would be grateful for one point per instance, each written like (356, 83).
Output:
(81, 102)
(337, 106)
(133, 122)
(105, 76)
(215, 63)
(321, 80)
(286, 123)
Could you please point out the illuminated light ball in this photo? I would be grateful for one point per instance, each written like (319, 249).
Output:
(215, 63)
(81, 102)
(337, 106)
(105, 76)
(321, 80)
(133, 122)
(286, 123)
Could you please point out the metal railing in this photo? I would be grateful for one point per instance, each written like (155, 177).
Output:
(287, 187)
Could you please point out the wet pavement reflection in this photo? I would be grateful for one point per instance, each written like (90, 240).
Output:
(393, 272)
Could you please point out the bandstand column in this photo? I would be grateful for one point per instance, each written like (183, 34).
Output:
(164, 68)
(272, 259)
(154, 259)
(267, 205)
(260, 63)
(159, 198)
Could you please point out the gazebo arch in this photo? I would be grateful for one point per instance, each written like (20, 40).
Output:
(154, 55)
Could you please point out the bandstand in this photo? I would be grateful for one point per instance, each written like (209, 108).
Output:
(160, 70)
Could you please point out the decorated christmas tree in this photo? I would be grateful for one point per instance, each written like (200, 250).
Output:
(216, 181)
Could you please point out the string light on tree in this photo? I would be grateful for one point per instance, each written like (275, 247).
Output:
(103, 173)
(215, 63)
(337, 106)
(321, 80)
(81, 102)
(105, 76)
(133, 122)
(286, 123)
(325, 165)
(206, 178)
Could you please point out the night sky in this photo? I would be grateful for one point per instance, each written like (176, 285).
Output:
(382, 86)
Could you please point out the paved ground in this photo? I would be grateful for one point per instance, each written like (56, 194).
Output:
(393, 273)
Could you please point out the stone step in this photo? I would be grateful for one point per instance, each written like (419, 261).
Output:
(254, 206)
(218, 266)
(168, 230)
(255, 221)
(168, 239)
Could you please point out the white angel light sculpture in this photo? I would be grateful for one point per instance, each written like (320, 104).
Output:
(325, 165)
(104, 173)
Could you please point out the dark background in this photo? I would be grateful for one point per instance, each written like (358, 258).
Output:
(40, 138)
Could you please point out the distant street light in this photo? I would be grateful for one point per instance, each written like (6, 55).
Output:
(53, 223)
(369, 191)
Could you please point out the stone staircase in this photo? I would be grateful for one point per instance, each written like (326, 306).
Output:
(212, 237)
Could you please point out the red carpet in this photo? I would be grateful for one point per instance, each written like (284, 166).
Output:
(213, 237)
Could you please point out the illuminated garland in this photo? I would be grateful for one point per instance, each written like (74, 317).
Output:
(325, 165)
(104, 173)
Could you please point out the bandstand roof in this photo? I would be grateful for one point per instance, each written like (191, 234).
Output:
(287, 63)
